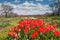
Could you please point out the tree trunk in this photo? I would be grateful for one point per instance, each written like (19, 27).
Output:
(58, 13)
(53, 14)
(6, 14)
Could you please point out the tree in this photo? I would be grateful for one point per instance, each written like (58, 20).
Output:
(58, 2)
(52, 7)
(55, 7)
(7, 9)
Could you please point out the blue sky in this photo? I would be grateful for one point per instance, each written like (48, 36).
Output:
(34, 1)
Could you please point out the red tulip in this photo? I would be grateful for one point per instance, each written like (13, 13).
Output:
(36, 24)
(13, 29)
(27, 26)
(47, 28)
(29, 20)
(56, 33)
(41, 29)
(25, 31)
(9, 33)
(52, 28)
(41, 24)
(20, 26)
(23, 22)
(33, 35)
(15, 35)
(54, 25)
(18, 30)
(32, 26)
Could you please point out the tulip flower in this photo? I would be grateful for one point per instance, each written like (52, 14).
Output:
(25, 31)
(20, 26)
(34, 34)
(27, 26)
(41, 29)
(13, 29)
(9, 33)
(56, 33)
(18, 30)
(15, 35)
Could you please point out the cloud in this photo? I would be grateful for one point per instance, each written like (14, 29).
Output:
(30, 8)
(39, 0)
(17, 1)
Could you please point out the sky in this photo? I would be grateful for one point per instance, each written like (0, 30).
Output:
(34, 1)
(43, 5)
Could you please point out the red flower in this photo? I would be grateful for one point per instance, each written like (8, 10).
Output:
(47, 28)
(32, 26)
(9, 33)
(36, 24)
(27, 26)
(41, 29)
(29, 20)
(56, 33)
(25, 31)
(13, 29)
(18, 30)
(54, 25)
(51, 28)
(20, 26)
(14, 35)
(33, 35)
(23, 22)
(41, 24)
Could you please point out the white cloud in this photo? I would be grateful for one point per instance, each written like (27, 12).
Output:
(39, 0)
(17, 1)
(30, 9)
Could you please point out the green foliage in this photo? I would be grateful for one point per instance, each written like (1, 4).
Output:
(4, 23)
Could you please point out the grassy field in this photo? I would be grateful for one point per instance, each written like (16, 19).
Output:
(7, 23)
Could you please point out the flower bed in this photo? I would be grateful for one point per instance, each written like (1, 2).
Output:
(33, 30)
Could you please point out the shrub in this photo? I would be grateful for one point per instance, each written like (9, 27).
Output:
(33, 30)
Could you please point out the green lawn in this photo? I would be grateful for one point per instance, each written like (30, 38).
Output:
(13, 22)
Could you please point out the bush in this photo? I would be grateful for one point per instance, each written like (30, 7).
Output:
(33, 30)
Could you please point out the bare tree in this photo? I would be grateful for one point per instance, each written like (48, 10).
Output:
(58, 6)
(52, 7)
(55, 7)
(7, 9)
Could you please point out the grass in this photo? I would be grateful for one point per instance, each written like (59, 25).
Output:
(14, 21)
